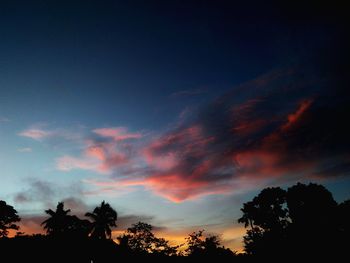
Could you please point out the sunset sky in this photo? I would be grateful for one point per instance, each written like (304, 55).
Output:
(174, 112)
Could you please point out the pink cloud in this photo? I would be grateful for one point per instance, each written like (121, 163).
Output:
(39, 132)
(176, 188)
(96, 152)
(261, 131)
(100, 157)
(117, 133)
(67, 163)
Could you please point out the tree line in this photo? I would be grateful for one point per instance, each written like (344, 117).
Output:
(303, 220)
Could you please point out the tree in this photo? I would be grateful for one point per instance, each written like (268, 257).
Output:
(305, 218)
(140, 239)
(267, 217)
(57, 223)
(77, 227)
(104, 217)
(310, 206)
(267, 210)
(344, 217)
(343, 224)
(199, 246)
(312, 212)
(8, 219)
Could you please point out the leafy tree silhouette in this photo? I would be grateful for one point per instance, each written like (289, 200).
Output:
(140, 239)
(104, 217)
(200, 246)
(310, 206)
(301, 220)
(8, 219)
(312, 212)
(266, 215)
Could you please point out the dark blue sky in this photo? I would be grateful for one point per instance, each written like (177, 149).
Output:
(87, 60)
(174, 105)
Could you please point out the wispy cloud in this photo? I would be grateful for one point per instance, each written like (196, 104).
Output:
(42, 132)
(111, 150)
(257, 132)
(279, 126)
(117, 133)
(36, 133)
(25, 150)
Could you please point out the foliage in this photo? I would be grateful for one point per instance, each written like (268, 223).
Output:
(301, 218)
(8, 219)
(140, 239)
(61, 224)
(104, 218)
(198, 245)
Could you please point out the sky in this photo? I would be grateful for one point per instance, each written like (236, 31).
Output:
(174, 112)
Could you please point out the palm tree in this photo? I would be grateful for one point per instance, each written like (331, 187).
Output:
(57, 222)
(104, 217)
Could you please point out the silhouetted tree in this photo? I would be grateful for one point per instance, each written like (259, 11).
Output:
(200, 246)
(310, 206)
(8, 218)
(312, 212)
(267, 217)
(104, 217)
(343, 218)
(61, 224)
(343, 223)
(77, 227)
(57, 224)
(301, 220)
(140, 239)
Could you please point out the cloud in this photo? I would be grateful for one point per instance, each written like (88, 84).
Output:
(281, 126)
(25, 150)
(297, 115)
(36, 190)
(47, 194)
(285, 125)
(36, 134)
(117, 133)
(41, 132)
(103, 154)
(76, 204)
(67, 163)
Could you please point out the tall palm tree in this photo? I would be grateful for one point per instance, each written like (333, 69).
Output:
(57, 222)
(104, 217)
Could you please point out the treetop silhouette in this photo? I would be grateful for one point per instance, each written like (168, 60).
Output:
(8, 219)
(103, 217)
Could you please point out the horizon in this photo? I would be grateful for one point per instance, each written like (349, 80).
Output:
(175, 113)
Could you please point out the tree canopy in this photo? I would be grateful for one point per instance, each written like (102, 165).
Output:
(303, 218)
(103, 217)
(8, 219)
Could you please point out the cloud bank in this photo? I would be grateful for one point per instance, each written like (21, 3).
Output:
(286, 125)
